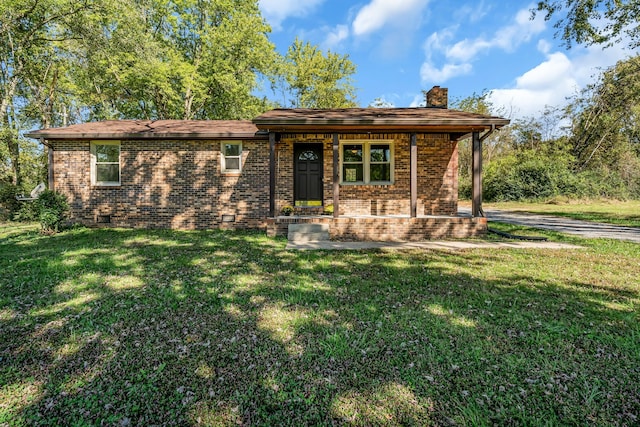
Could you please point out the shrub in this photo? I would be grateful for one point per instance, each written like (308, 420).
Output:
(52, 208)
(8, 203)
(529, 175)
(28, 212)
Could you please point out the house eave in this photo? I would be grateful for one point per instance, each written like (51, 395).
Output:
(145, 136)
(369, 128)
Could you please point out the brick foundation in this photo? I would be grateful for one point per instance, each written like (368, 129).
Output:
(388, 229)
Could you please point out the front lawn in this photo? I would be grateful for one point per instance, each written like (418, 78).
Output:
(132, 327)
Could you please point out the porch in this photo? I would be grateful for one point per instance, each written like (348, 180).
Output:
(387, 228)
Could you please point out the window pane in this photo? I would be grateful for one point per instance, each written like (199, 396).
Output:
(231, 149)
(232, 163)
(380, 172)
(107, 153)
(352, 173)
(380, 153)
(108, 173)
(308, 156)
(352, 153)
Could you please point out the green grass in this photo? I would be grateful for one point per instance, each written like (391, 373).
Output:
(131, 327)
(608, 211)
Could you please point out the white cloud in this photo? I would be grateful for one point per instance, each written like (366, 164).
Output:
(458, 57)
(379, 13)
(472, 12)
(438, 41)
(554, 80)
(544, 46)
(547, 84)
(276, 11)
(506, 38)
(418, 101)
(335, 36)
(432, 74)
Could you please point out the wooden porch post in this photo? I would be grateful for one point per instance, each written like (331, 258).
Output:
(272, 174)
(476, 189)
(336, 176)
(414, 175)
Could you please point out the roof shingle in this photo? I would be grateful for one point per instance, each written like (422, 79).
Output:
(376, 118)
(152, 129)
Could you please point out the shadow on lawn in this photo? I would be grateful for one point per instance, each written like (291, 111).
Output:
(158, 327)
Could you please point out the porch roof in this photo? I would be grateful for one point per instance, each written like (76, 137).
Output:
(377, 119)
(154, 129)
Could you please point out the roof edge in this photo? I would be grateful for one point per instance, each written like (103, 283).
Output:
(143, 136)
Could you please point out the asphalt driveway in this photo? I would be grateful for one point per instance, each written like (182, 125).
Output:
(562, 225)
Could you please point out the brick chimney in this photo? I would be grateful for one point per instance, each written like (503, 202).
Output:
(438, 97)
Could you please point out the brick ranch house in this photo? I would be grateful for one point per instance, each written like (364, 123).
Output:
(387, 174)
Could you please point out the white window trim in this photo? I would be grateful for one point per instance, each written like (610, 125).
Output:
(366, 160)
(223, 158)
(94, 177)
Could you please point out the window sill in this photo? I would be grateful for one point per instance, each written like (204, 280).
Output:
(106, 185)
(368, 184)
(231, 173)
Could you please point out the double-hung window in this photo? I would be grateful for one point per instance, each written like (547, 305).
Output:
(105, 163)
(231, 156)
(367, 162)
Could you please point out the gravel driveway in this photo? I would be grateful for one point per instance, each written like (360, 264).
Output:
(562, 225)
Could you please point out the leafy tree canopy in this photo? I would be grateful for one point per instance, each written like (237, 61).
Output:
(593, 21)
(316, 80)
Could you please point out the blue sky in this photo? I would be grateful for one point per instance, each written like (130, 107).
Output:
(401, 47)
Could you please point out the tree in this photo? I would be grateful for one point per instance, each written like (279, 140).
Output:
(31, 33)
(606, 124)
(593, 21)
(315, 80)
(34, 62)
(190, 59)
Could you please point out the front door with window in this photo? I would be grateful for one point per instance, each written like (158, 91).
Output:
(308, 174)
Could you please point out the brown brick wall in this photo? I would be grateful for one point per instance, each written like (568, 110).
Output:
(167, 184)
(437, 176)
(388, 229)
(178, 184)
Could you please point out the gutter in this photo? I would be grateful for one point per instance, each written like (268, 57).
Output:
(488, 133)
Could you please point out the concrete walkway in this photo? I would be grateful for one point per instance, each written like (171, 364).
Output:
(447, 245)
(562, 225)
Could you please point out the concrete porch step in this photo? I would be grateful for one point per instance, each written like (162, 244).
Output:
(308, 233)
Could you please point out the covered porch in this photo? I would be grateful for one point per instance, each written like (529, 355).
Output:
(385, 174)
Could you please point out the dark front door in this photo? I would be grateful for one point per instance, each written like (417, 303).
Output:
(308, 174)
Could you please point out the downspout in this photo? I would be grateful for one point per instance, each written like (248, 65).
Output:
(488, 133)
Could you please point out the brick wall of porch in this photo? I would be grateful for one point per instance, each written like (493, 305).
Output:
(387, 228)
(436, 186)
